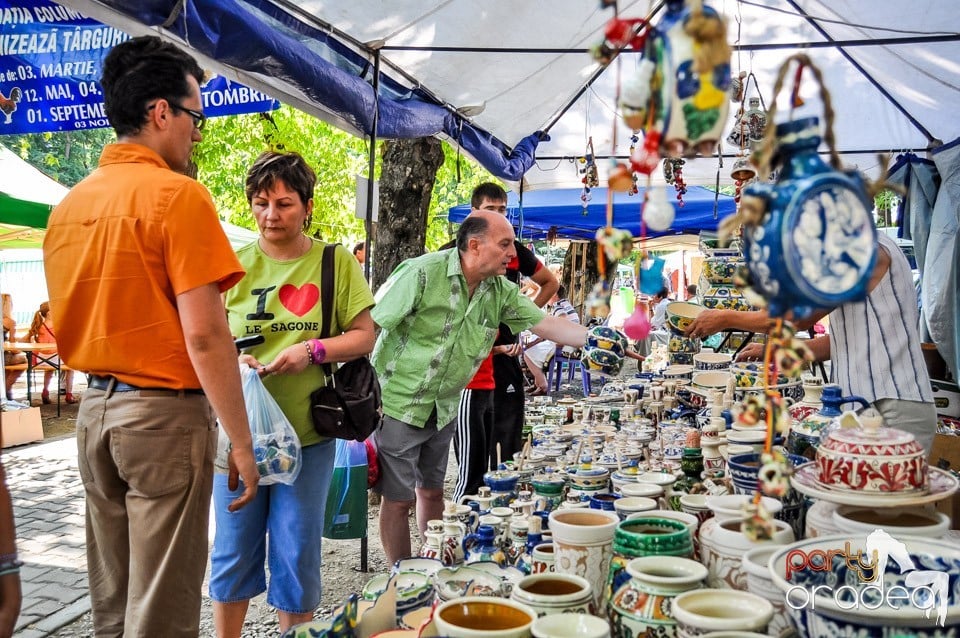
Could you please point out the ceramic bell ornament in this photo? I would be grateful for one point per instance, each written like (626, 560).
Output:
(743, 170)
(658, 213)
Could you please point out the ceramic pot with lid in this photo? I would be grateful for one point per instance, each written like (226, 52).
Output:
(862, 454)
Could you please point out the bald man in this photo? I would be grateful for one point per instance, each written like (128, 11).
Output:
(439, 315)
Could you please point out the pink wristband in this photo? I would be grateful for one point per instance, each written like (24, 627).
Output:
(319, 351)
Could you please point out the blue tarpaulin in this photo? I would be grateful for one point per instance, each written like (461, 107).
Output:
(50, 63)
(562, 208)
(262, 38)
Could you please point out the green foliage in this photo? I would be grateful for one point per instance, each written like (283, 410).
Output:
(67, 157)
(232, 143)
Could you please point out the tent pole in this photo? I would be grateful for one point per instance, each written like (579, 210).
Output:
(368, 219)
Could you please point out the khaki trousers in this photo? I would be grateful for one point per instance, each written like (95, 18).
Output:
(146, 461)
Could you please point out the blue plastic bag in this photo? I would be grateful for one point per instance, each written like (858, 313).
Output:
(276, 446)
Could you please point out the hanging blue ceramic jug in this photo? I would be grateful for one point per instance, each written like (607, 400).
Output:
(805, 435)
(816, 244)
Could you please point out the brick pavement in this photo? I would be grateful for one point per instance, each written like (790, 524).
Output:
(48, 508)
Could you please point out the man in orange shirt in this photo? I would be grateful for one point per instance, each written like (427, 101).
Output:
(135, 262)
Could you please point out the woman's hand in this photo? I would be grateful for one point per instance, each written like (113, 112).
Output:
(291, 360)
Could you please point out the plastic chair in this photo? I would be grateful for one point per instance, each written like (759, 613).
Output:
(555, 367)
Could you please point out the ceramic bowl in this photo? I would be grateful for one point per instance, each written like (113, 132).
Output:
(678, 372)
(707, 381)
(712, 360)
(720, 270)
(473, 617)
(725, 298)
(555, 594)
(601, 362)
(426, 566)
(744, 468)
(570, 625)
(680, 314)
(628, 505)
(454, 582)
(645, 536)
(681, 359)
(683, 344)
(703, 610)
(845, 605)
(900, 521)
(607, 338)
(726, 506)
(750, 375)
(414, 590)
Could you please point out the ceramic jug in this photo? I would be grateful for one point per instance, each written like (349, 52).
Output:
(804, 435)
(433, 545)
(503, 486)
(809, 403)
(810, 238)
(482, 547)
(451, 544)
(641, 606)
(483, 497)
(517, 540)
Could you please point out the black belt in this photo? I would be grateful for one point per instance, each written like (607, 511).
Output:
(103, 383)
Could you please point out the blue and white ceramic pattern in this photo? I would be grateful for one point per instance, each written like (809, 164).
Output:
(817, 244)
(872, 617)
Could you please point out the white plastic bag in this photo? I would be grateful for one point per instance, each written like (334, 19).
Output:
(276, 446)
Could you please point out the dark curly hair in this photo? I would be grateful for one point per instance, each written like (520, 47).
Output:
(289, 168)
(140, 70)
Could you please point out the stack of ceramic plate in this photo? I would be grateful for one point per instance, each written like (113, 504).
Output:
(720, 264)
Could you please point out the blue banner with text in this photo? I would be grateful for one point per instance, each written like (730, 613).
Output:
(50, 61)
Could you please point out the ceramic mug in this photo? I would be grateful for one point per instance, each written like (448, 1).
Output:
(570, 626)
(482, 617)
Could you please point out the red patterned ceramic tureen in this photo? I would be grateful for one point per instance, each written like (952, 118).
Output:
(863, 455)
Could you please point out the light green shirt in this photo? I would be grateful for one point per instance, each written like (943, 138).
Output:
(281, 301)
(435, 336)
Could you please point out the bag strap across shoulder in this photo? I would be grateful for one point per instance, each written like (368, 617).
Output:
(327, 279)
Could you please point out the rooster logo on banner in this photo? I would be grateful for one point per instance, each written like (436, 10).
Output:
(9, 104)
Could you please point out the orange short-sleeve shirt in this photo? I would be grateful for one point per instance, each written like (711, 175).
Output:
(119, 248)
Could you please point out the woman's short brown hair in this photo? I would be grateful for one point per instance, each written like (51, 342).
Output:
(289, 168)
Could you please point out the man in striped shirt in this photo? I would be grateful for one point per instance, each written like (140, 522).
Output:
(873, 345)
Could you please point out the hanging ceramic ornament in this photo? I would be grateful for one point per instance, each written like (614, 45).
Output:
(737, 86)
(620, 179)
(646, 158)
(598, 301)
(616, 243)
(692, 57)
(810, 238)
(658, 213)
(635, 95)
(755, 122)
(637, 325)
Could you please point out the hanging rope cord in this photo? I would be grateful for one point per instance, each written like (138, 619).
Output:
(768, 147)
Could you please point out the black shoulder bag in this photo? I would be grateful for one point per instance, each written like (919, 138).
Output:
(348, 406)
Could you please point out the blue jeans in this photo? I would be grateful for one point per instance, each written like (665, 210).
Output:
(292, 517)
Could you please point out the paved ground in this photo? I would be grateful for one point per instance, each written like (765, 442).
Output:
(48, 509)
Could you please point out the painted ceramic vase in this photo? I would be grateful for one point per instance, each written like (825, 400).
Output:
(583, 545)
(691, 107)
(804, 436)
(642, 605)
(722, 546)
(816, 244)
(720, 270)
(809, 404)
(645, 536)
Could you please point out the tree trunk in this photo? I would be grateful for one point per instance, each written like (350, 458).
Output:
(406, 184)
(581, 271)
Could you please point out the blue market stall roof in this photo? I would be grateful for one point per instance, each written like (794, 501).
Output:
(563, 209)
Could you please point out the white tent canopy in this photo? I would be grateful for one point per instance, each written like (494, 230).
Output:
(512, 68)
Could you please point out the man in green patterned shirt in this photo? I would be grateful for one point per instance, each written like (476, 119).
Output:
(439, 315)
